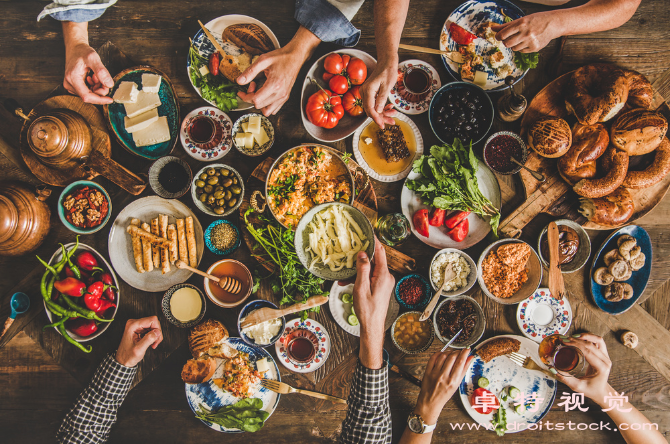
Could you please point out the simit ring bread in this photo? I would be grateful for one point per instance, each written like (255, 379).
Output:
(654, 173)
(640, 92)
(589, 142)
(611, 211)
(550, 137)
(615, 162)
(638, 131)
(597, 94)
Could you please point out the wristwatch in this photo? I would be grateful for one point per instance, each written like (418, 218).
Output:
(417, 425)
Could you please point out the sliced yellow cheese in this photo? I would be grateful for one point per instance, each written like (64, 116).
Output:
(140, 122)
(248, 141)
(240, 139)
(157, 132)
(261, 138)
(145, 102)
(245, 127)
(254, 124)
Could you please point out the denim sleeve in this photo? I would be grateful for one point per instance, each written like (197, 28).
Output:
(76, 10)
(326, 22)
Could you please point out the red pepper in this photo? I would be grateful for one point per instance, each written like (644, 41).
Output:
(460, 35)
(455, 218)
(71, 287)
(460, 231)
(436, 218)
(85, 261)
(69, 272)
(107, 278)
(104, 306)
(420, 220)
(214, 61)
(82, 326)
(110, 294)
(92, 301)
(96, 289)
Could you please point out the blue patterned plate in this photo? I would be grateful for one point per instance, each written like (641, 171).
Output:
(319, 337)
(542, 315)
(501, 373)
(470, 15)
(639, 279)
(212, 397)
(115, 112)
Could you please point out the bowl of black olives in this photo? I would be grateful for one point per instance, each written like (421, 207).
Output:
(217, 190)
(460, 110)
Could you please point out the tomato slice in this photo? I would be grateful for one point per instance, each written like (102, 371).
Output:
(483, 401)
(460, 35)
(420, 220)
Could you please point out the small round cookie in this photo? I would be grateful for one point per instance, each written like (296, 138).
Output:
(614, 292)
(638, 262)
(624, 237)
(625, 248)
(627, 291)
(611, 256)
(602, 276)
(620, 269)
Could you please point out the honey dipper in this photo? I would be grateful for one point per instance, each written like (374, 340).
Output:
(227, 283)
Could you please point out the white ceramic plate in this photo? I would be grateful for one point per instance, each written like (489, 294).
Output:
(206, 48)
(211, 396)
(341, 311)
(372, 173)
(502, 372)
(322, 344)
(121, 247)
(479, 228)
(421, 106)
(541, 315)
(347, 125)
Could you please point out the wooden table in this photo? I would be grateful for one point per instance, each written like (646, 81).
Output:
(41, 375)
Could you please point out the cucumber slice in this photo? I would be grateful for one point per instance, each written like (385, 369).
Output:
(513, 392)
(352, 320)
(483, 382)
(347, 298)
(520, 408)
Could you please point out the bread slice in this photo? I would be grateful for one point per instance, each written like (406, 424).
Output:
(249, 37)
(232, 66)
(197, 371)
(205, 336)
(222, 350)
(498, 347)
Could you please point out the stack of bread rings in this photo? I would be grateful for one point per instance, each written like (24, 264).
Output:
(595, 159)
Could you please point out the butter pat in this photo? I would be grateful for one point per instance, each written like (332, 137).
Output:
(254, 124)
(126, 93)
(151, 83)
(157, 132)
(140, 122)
(262, 365)
(261, 138)
(146, 101)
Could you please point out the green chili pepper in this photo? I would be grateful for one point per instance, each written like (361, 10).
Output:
(43, 285)
(56, 309)
(48, 267)
(83, 312)
(61, 329)
(73, 267)
(57, 323)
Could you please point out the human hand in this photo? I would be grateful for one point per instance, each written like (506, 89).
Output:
(80, 60)
(139, 335)
(372, 292)
(595, 385)
(528, 34)
(375, 92)
(443, 376)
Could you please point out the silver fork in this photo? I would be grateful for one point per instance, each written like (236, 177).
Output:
(527, 363)
(283, 388)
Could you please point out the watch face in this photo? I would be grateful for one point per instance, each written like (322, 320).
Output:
(415, 424)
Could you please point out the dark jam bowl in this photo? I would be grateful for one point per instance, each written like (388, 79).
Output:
(158, 170)
(444, 131)
(500, 147)
(477, 332)
(425, 297)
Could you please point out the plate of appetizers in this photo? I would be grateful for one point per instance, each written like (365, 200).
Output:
(482, 59)
(341, 304)
(494, 382)
(387, 155)
(621, 269)
(242, 38)
(145, 114)
(148, 237)
(225, 376)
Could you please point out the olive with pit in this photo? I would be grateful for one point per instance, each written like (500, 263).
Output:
(219, 210)
(199, 183)
(220, 202)
(236, 189)
(227, 182)
(225, 172)
(199, 191)
(210, 171)
(203, 197)
(213, 180)
(211, 199)
(227, 195)
(219, 194)
(208, 189)
(232, 202)
(203, 176)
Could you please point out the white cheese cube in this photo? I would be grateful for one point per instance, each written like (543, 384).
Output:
(261, 138)
(248, 140)
(151, 83)
(157, 132)
(203, 70)
(480, 78)
(254, 124)
(240, 139)
(126, 93)
(145, 102)
(262, 365)
(140, 122)
(245, 126)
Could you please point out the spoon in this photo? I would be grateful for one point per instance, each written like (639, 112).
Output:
(538, 176)
(451, 341)
(449, 274)
(20, 303)
(227, 283)
(556, 284)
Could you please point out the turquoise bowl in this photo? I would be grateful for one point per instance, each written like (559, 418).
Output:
(61, 208)
(115, 113)
(208, 237)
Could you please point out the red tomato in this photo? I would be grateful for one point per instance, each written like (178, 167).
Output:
(327, 76)
(420, 220)
(460, 35)
(333, 64)
(357, 71)
(352, 102)
(323, 110)
(437, 216)
(338, 84)
(214, 61)
(460, 231)
(345, 61)
(483, 401)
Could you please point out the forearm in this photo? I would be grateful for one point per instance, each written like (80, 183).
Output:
(390, 18)
(372, 346)
(75, 34)
(594, 16)
(303, 44)
(430, 414)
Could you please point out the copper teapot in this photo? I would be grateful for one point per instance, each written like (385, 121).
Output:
(61, 139)
(24, 217)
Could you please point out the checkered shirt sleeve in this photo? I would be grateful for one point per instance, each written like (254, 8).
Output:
(94, 412)
(369, 417)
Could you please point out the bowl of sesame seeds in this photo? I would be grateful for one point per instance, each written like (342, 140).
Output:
(222, 237)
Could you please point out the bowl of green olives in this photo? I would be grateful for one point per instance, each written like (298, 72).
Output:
(217, 190)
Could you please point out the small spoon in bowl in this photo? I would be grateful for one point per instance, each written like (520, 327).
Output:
(537, 175)
(449, 274)
(229, 284)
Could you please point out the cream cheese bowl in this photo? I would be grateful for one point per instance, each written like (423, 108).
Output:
(251, 307)
(167, 306)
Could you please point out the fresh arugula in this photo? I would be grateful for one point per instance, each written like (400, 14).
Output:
(217, 89)
(499, 421)
(449, 181)
(245, 415)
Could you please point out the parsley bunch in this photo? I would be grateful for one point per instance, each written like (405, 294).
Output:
(217, 89)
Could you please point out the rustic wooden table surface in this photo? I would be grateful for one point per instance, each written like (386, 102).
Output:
(41, 375)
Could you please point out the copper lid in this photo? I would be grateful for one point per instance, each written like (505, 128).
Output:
(9, 218)
(47, 136)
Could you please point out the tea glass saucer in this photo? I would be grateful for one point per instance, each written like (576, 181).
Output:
(319, 338)
(411, 107)
(541, 315)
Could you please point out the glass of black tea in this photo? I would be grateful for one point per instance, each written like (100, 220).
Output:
(301, 346)
(567, 359)
(201, 129)
(416, 84)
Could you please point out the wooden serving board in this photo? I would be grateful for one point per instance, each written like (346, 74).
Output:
(365, 201)
(555, 196)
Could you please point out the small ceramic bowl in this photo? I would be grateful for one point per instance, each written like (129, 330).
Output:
(257, 150)
(242, 298)
(208, 237)
(427, 294)
(522, 157)
(246, 311)
(155, 171)
(165, 304)
(472, 277)
(583, 252)
(204, 208)
(61, 209)
(477, 333)
(418, 350)
(533, 267)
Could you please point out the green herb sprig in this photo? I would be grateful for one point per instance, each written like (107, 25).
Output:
(217, 89)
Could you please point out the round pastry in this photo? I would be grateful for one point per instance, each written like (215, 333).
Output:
(640, 92)
(589, 142)
(627, 291)
(623, 238)
(626, 247)
(611, 211)
(614, 292)
(197, 371)
(637, 262)
(550, 137)
(629, 339)
(611, 256)
(638, 131)
(619, 269)
(654, 173)
(635, 252)
(597, 94)
(602, 276)
(616, 169)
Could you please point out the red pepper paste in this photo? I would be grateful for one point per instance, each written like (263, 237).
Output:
(412, 290)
